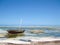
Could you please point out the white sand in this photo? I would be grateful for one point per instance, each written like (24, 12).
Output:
(42, 39)
(38, 39)
(14, 42)
(45, 39)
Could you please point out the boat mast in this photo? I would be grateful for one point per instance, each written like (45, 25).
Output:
(20, 24)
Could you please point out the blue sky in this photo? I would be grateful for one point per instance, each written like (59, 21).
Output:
(32, 12)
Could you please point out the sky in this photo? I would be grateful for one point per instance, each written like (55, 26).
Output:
(29, 12)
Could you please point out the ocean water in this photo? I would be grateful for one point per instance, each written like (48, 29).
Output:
(48, 31)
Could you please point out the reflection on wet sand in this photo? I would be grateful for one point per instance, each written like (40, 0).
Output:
(15, 35)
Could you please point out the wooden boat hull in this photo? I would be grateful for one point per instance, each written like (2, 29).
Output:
(15, 31)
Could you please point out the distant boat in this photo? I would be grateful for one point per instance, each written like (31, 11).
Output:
(16, 31)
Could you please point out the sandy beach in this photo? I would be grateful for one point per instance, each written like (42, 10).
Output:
(34, 41)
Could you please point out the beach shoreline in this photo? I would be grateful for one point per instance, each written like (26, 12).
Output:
(34, 41)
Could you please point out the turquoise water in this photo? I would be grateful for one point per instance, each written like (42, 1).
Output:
(48, 31)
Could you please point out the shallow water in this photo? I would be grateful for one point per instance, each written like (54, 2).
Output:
(48, 33)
